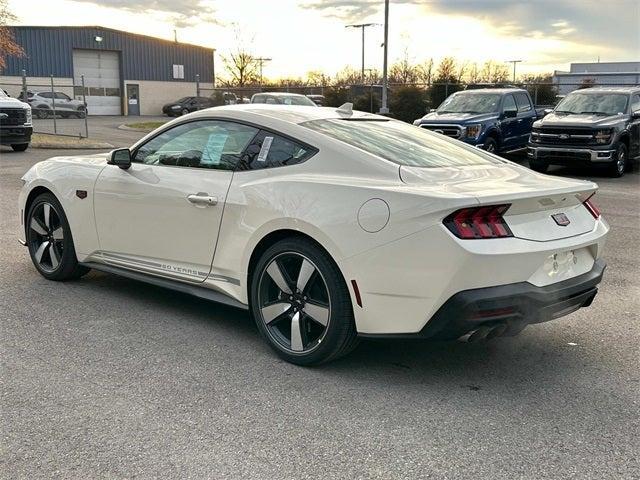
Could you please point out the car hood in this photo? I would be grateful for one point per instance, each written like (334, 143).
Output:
(9, 102)
(499, 183)
(435, 117)
(583, 120)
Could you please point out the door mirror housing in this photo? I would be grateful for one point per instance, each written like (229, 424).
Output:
(510, 114)
(120, 157)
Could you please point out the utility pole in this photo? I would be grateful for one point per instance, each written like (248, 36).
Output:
(362, 26)
(515, 62)
(261, 61)
(384, 109)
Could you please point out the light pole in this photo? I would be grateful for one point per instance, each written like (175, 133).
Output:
(213, 67)
(362, 26)
(515, 62)
(261, 61)
(384, 109)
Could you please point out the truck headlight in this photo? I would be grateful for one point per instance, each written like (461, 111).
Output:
(602, 136)
(29, 116)
(473, 131)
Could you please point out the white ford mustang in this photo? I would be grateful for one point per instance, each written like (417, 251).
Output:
(326, 224)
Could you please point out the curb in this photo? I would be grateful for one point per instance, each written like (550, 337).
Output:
(145, 130)
(67, 143)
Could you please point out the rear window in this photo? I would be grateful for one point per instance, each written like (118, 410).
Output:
(401, 143)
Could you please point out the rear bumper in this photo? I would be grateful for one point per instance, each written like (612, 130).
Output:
(567, 155)
(514, 306)
(15, 135)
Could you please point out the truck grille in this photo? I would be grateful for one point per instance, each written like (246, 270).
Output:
(564, 136)
(13, 116)
(452, 131)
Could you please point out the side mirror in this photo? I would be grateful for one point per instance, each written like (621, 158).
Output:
(431, 110)
(510, 113)
(120, 157)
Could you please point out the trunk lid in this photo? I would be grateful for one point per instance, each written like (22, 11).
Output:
(535, 199)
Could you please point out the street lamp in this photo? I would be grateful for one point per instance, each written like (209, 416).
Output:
(362, 26)
(515, 62)
(384, 109)
(261, 61)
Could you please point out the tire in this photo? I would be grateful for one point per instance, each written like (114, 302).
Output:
(620, 163)
(42, 112)
(184, 112)
(322, 311)
(537, 166)
(490, 145)
(81, 113)
(20, 147)
(49, 240)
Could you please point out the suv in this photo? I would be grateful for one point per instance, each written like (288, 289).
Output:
(283, 98)
(15, 123)
(42, 104)
(495, 119)
(593, 126)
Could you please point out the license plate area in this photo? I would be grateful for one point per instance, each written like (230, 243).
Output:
(562, 265)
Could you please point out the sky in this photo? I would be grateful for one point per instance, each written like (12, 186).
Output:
(310, 35)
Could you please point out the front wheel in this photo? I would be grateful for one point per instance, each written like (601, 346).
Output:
(49, 240)
(301, 304)
(20, 147)
(185, 111)
(619, 165)
(490, 145)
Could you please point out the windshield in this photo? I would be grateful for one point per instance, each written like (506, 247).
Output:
(470, 103)
(593, 103)
(401, 143)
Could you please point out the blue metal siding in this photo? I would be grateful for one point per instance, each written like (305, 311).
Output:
(49, 51)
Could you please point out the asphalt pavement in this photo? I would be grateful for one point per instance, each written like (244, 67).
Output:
(108, 377)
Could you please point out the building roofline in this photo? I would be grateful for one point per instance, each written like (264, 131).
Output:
(98, 27)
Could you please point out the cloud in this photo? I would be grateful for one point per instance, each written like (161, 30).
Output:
(182, 13)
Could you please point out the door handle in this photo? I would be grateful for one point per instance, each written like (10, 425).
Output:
(202, 199)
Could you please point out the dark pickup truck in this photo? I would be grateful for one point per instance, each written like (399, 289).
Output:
(593, 126)
(495, 119)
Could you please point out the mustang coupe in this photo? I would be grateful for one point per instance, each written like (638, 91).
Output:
(326, 224)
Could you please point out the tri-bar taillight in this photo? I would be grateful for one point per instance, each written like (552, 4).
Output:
(593, 209)
(479, 222)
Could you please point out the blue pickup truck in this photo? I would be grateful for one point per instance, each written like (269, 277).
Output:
(495, 119)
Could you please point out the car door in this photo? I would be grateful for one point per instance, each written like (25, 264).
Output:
(525, 119)
(509, 122)
(162, 215)
(634, 126)
(63, 102)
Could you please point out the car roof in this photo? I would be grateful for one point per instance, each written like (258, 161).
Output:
(492, 90)
(280, 94)
(609, 90)
(294, 114)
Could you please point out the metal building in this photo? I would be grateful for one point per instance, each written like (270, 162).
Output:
(605, 73)
(124, 73)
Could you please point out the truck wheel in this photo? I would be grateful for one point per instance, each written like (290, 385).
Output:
(537, 166)
(20, 147)
(490, 145)
(619, 165)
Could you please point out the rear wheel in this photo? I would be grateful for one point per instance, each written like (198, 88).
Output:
(49, 240)
(42, 112)
(538, 166)
(300, 303)
(20, 147)
(185, 111)
(619, 165)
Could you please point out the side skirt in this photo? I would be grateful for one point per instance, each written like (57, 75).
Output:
(195, 290)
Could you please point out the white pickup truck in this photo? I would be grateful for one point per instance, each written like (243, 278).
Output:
(16, 125)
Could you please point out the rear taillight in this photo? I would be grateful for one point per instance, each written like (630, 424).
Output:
(479, 222)
(593, 209)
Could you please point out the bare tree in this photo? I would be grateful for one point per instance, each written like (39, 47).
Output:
(462, 69)
(8, 45)
(473, 74)
(403, 72)
(241, 65)
(446, 71)
(317, 78)
(425, 72)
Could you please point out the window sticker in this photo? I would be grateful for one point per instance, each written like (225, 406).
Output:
(213, 149)
(264, 150)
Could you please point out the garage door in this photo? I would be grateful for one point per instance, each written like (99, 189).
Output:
(101, 72)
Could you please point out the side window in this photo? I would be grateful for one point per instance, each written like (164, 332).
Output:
(203, 144)
(269, 150)
(258, 99)
(635, 103)
(61, 96)
(46, 95)
(509, 104)
(271, 101)
(522, 99)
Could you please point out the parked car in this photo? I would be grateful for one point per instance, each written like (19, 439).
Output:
(317, 99)
(593, 126)
(495, 119)
(42, 104)
(332, 229)
(187, 105)
(15, 122)
(282, 98)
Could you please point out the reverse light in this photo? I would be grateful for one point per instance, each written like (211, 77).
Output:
(592, 207)
(479, 222)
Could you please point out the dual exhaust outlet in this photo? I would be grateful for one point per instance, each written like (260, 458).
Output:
(485, 332)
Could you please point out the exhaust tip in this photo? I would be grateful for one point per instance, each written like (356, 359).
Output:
(475, 335)
(497, 331)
